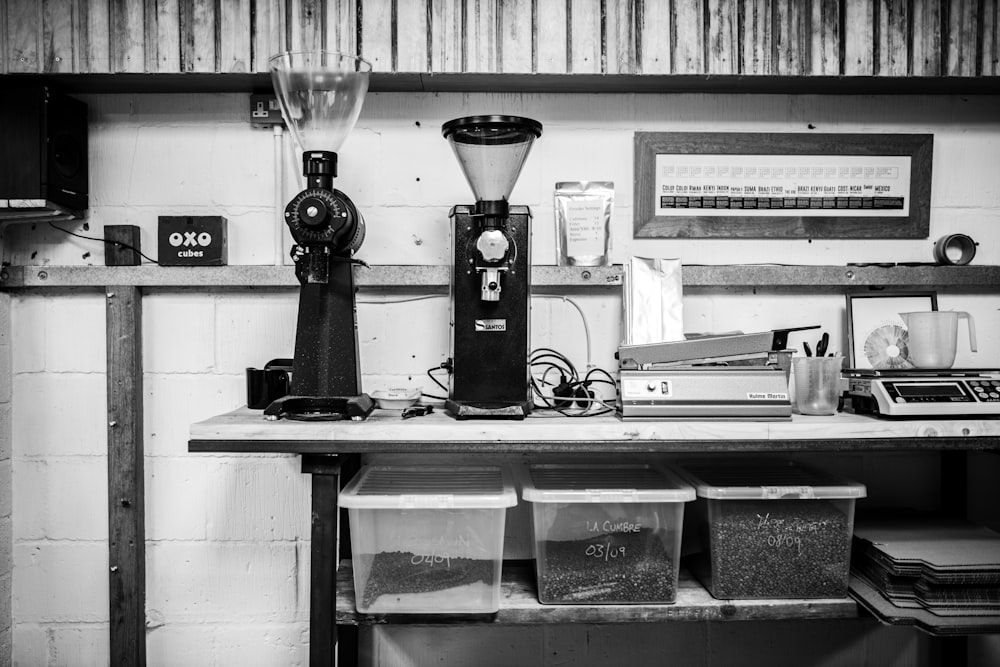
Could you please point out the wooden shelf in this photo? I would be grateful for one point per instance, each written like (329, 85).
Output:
(543, 278)
(519, 605)
(245, 430)
(491, 82)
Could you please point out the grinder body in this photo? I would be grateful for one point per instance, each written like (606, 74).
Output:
(490, 338)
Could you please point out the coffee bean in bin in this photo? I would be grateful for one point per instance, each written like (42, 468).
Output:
(394, 573)
(609, 568)
(779, 549)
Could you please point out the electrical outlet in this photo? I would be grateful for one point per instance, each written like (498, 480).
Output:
(264, 111)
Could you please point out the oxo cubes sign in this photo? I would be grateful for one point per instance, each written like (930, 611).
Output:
(192, 240)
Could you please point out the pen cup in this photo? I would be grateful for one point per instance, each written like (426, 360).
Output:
(817, 384)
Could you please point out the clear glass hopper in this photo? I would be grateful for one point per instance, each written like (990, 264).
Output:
(491, 151)
(320, 94)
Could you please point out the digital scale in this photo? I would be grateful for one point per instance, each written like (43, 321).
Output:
(914, 392)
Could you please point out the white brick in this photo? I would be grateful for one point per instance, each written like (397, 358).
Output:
(222, 581)
(543, 235)
(5, 433)
(61, 582)
(259, 499)
(184, 326)
(191, 479)
(208, 164)
(76, 325)
(59, 413)
(243, 499)
(64, 499)
(6, 371)
(400, 336)
(5, 314)
(173, 402)
(251, 233)
(30, 645)
(407, 235)
(274, 644)
(81, 645)
(400, 166)
(973, 171)
(28, 333)
(182, 644)
(567, 154)
(253, 328)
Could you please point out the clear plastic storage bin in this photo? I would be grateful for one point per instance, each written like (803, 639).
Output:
(428, 539)
(771, 529)
(605, 534)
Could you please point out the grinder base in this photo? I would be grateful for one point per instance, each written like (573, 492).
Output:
(479, 410)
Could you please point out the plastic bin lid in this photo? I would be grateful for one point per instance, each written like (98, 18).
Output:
(602, 483)
(768, 480)
(406, 487)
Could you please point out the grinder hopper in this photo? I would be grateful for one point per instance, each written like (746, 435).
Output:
(491, 151)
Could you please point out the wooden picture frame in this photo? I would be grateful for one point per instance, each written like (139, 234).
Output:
(873, 315)
(876, 162)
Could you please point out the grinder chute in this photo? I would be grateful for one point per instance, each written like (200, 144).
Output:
(491, 270)
(320, 94)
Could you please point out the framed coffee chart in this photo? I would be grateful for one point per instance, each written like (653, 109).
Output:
(782, 185)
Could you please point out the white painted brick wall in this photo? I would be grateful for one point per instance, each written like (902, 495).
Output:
(60, 581)
(67, 497)
(59, 414)
(227, 535)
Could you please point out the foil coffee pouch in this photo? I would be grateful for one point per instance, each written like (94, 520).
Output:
(652, 301)
(583, 222)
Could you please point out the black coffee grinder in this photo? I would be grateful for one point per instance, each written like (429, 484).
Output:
(320, 94)
(491, 271)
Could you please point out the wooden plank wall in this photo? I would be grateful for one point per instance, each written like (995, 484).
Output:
(770, 37)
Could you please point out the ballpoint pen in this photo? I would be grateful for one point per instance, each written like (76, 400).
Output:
(807, 349)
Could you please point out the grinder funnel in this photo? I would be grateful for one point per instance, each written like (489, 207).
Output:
(320, 94)
(491, 151)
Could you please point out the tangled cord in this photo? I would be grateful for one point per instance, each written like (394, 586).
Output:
(571, 396)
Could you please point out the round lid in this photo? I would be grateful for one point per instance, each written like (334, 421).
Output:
(491, 129)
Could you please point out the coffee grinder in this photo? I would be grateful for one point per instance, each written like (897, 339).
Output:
(320, 94)
(491, 271)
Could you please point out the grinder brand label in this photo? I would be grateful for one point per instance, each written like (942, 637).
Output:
(491, 325)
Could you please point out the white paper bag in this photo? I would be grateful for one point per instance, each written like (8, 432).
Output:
(653, 301)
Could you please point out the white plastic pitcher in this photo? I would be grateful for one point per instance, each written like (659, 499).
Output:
(933, 337)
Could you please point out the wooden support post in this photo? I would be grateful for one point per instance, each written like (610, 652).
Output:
(126, 504)
(324, 556)
(124, 251)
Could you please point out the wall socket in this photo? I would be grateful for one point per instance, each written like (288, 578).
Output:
(264, 111)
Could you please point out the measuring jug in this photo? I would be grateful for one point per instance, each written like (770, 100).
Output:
(933, 337)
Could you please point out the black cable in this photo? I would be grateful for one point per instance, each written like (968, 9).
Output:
(437, 382)
(118, 244)
(547, 352)
(611, 378)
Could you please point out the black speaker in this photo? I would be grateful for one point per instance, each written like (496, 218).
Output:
(43, 148)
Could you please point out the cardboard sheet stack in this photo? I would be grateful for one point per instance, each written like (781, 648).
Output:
(941, 575)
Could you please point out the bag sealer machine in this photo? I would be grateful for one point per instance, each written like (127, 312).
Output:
(729, 376)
